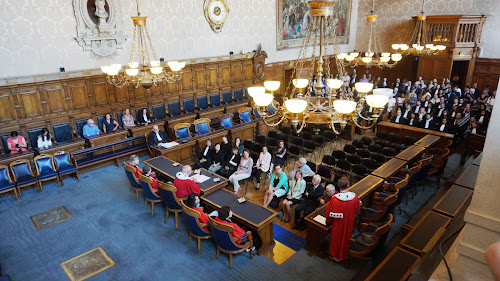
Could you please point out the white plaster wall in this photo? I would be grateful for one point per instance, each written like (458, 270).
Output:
(37, 36)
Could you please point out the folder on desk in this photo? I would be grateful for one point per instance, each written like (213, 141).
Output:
(320, 219)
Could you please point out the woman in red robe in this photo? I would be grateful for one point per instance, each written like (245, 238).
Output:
(341, 213)
(193, 202)
(224, 217)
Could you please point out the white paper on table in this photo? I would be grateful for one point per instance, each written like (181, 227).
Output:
(169, 144)
(199, 178)
(320, 219)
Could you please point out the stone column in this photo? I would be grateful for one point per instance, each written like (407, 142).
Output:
(483, 215)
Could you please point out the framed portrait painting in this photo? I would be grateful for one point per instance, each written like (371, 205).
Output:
(294, 16)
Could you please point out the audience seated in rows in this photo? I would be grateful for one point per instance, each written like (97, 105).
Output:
(278, 186)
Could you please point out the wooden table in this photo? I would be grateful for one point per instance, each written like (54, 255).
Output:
(468, 178)
(426, 233)
(250, 215)
(182, 153)
(454, 199)
(477, 161)
(428, 140)
(316, 231)
(410, 153)
(397, 266)
(164, 166)
(389, 168)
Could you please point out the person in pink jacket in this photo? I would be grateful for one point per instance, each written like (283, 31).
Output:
(263, 165)
(244, 171)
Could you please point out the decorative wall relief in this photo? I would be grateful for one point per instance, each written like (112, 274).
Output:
(294, 16)
(99, 26)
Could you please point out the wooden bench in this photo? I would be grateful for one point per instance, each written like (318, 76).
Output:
(417, 133)
(426, 233)
(478, 159)
(397, 266)
(111, 151)
(454, 199)
(468, 177)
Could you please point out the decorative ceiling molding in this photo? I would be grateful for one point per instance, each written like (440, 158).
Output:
(99, 27)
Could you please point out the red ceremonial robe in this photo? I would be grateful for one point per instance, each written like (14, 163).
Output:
(347, 204)
(203, 217)
(185, 185)
(237, 233)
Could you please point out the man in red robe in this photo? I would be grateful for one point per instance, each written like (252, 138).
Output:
(184, 184)
(341, 213)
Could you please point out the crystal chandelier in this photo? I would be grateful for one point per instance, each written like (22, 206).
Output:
(418, 44)
(313, 102)
(143, 69)
(372, 55)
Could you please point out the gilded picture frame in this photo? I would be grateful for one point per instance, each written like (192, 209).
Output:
(293, 17)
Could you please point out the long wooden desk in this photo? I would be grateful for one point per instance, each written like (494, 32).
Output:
(397, 266)
(454, 199)
(428, 140)
(478, 159)
(182, 153)
(389, 168)
(250, 215)
(243, 131)
(468, 178)
(410, 153)
(163, 166)
(415, 132)
(317, 231)
(426, 233)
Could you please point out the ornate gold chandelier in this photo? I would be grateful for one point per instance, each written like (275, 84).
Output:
(418, 44)
(143, 69)
(313, 102)
(373, 54)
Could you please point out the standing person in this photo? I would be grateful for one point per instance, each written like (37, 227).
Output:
(44, 139)
(341, 213)
(244, 171)
(312, 195)
(277, 187)
(295, 192)
(231, 165)
(263, 165)
(218, 159)
(128, 119)
(184, 184)
(109, 124)
(16, 143)
(206, 156)
(239, 145)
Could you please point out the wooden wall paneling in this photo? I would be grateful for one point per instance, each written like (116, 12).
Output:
(99, 93)
(77, 95)
(121, 95)
(213, 75)
(54, 97)
(171, 89)
(30, 102)
(7, 112)
(225, 73)
(138, 93)
(486, 73)
(187, 80)
(199, 76)
(157, 91)
(247, 71)
(236, 71)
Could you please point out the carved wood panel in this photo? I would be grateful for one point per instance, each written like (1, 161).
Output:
(7, 112)
(55, 100)
(101, 95)
(225, 70)
(30, 102)
(187, 80)
(213, 76)
(237, 71)
(78, 96)
(200, 80)
(247, 70)
(121, 94)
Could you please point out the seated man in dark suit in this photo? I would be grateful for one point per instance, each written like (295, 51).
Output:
(231, 165)
(398, 118)
(428, 123)
(157, 137)
(312, 196)
(206, 156)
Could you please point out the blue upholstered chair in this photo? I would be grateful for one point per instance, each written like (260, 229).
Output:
(238, 95)
(422, 174)
(149, 193)
(6, 183)
(65, 165)
(245, 114)
(227, 97)
(135, 186)
(174, 109)
(226, 243)
(182, 131)
(256, 113)
(33, 137)
(79, 127)
(188, 105)
(138, 112)
(172, 204)
(202, 103)
(226, 120)
(196, 228)
(4, 143)
(215, 100)
(119, 116)
(46, 169)
(159, 112)
(100, 122)
(63, 132)
(202, 126)
(23, 175)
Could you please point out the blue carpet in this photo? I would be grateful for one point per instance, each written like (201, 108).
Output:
(288, 238)
(143, 247)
